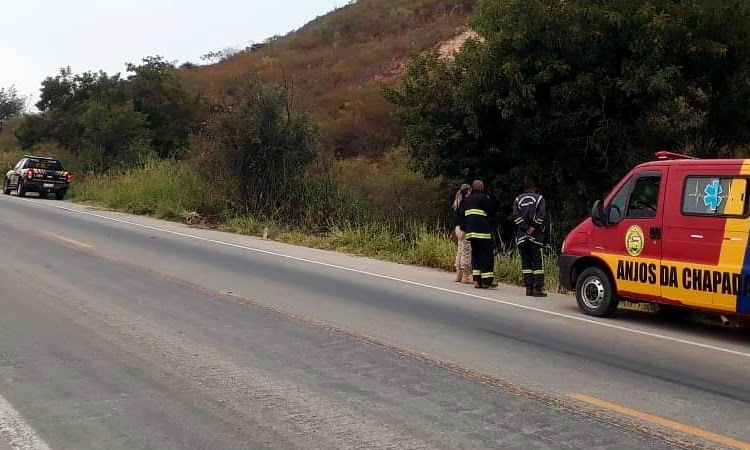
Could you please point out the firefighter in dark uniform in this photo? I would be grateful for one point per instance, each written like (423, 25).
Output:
(529, 218)
(479, 209)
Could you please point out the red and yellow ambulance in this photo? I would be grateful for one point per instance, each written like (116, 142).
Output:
(673, 231)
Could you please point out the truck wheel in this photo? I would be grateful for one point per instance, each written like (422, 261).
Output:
(20, 191)
(6, 189)
(595, 293)
(60, 195)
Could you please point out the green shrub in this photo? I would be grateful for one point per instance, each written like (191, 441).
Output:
(392, 191)
(373, 239)
(432, 249)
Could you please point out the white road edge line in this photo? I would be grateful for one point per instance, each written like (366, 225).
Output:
(16, 431)
(412, 283)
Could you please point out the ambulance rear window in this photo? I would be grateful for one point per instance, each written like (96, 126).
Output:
(715, 196)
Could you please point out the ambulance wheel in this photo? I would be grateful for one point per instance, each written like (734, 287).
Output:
(595, 293)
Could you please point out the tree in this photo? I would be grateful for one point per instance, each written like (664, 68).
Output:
(11, 104)
(577, 92)
(112, 121)
(67, 91)
(113, 135)
(91, 116)
(63, 100)
(264, 147)
(173, 111)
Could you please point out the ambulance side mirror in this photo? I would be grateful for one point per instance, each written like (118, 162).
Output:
(603, 216)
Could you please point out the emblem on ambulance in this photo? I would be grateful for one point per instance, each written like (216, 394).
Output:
(634, 240)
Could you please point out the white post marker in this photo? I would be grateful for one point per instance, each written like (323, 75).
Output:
(15, 431)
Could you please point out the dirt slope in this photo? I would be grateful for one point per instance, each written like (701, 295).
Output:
(338, 62)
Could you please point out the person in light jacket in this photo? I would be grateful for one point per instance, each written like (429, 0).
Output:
(463, 253)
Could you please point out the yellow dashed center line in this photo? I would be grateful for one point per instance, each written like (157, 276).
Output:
(68, 241)
(662, 422)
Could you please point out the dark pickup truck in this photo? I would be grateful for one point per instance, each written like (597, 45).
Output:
(37, 174)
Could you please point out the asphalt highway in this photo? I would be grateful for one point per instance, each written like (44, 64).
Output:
(124, 332)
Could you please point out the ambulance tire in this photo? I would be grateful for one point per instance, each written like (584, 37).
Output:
(595, 293)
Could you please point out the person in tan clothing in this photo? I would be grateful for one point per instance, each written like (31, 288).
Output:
(463, 253)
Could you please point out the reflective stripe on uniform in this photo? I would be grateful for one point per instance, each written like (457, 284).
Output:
(538, 272)
(476, 272)
(475, 212)
(527, 272)
(479, 236)
(488, 275)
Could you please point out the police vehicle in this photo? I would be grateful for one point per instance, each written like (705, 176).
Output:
(38, 174)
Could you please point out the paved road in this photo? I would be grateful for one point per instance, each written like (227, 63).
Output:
(124, 332)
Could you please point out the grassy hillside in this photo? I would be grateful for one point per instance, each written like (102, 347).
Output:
(338, 62)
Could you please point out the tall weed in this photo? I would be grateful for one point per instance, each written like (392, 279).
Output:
(165, 189)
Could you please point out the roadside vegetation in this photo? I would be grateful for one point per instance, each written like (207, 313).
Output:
(353, 132)
(169, 190)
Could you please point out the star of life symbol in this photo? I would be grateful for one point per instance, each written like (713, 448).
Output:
(712, 197)
(711, 194)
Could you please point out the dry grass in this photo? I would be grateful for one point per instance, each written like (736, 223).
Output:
(338, 61)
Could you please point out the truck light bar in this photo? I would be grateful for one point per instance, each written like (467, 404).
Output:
(39, 157)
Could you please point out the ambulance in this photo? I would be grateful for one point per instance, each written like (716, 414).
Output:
(673, 231)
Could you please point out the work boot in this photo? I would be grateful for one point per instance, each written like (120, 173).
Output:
(468, 277)
(459, 275)
(539, 286)
(528, 281)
